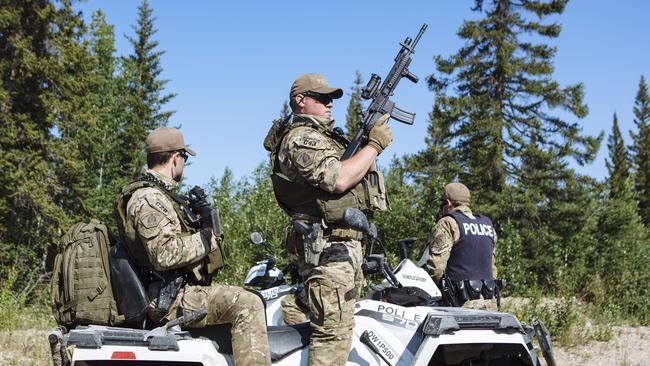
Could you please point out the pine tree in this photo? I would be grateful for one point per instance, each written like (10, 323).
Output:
(495, 117)
(44, 68)
(94, 139)
(355, 107)
(641, 150)
(437, 163)
(145, 90)
(621, 259)
(503, 95)
(618, 164)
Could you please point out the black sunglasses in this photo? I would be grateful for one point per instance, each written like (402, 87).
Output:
(323, 99)
(183, 155)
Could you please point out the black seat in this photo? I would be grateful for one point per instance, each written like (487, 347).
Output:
(283, 339)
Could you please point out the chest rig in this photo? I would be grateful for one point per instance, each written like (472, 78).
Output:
(300, 200)
(129, 235)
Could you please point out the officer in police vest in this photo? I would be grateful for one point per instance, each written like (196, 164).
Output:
(461, 250)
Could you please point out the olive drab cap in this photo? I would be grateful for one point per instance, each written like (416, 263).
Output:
(314, 83)
(166, 139)
(456, 192)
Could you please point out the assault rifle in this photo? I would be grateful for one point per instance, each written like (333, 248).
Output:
(380, 96)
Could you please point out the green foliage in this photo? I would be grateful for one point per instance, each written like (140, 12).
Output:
(641, 150)
(44, 67)
(247, 205)
(355, 107)
(75, 117)
(16, 312)
(68, 131)
(618, 164)
(622, 257)
(495, 98)
(145, 93)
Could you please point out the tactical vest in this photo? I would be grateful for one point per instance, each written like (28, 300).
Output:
(302, 200)
(129, 235)
(471, 256)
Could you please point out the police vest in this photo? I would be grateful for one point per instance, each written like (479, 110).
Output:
(302, 200)
(128, 234)
(471, 256)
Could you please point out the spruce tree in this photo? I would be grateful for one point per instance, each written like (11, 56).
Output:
(94, 140)
(145, 92)
(621, 259)
(44, 68)
(496, 114)
(355, 107)
(497, 95)
(618, 164)
(641, 150)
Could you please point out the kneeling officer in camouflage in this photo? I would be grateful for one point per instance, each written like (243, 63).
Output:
(314, 186)
(161, 235)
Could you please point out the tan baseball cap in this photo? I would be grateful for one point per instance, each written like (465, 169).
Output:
(456, 192)
(166, 139)
(314, 83)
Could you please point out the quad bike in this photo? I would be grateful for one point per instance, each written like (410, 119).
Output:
(399, 323)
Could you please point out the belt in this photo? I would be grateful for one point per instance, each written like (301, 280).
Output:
(334, 234)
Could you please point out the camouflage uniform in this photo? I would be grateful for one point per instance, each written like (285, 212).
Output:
(307, 155)
(159, 228)
(445, 234)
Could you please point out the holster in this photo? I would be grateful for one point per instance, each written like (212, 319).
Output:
(168, 290)
(461, 291)
(448, 292)
(314, 243)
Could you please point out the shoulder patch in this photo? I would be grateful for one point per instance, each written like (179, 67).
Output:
(304, 159)
(152, 219)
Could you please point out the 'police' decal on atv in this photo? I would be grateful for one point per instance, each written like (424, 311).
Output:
(390, 319)
(399, 312)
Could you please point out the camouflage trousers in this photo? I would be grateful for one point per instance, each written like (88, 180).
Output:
(293, 312)
(333, 289)
(231, 305)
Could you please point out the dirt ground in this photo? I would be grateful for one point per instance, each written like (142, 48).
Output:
(630, 346)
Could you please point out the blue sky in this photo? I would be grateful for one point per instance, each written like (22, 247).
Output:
(232, 63)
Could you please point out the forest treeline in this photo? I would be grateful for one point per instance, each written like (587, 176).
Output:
(74, 118)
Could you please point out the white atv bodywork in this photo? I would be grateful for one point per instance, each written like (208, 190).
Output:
(393, 334)
(384, 334)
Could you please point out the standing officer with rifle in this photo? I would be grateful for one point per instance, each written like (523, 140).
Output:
(317, 174)
(176, 243)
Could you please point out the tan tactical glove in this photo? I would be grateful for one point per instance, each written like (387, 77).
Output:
(380, 135)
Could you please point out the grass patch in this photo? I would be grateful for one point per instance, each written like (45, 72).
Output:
(23, 327)
(570, 321)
